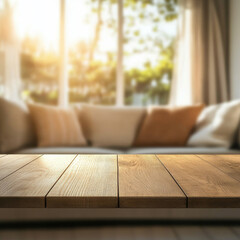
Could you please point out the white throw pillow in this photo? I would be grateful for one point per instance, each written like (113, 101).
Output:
(106, 126)
(216, 125)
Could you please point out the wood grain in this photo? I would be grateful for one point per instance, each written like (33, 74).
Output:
(144, 182)
(205, 185)
(229, 164)
(90, 181)
(11, 163)
(28, 186)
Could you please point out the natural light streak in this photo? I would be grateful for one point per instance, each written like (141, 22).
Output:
(40, 19)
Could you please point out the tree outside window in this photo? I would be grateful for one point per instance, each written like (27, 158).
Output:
(150, 28)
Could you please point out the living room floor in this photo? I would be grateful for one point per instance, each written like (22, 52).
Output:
(149, 232)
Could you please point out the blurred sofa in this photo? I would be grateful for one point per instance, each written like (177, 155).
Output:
(111, 131)
(139, 150)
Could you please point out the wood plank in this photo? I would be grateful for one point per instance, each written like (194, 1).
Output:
(236, 230)
(91, 233)
(140, 233)
(220, 233)
(11, 163)
(28, 186)
(145, 183)
(90, 181)
(230, 164)
(191, 233)
(205, 185)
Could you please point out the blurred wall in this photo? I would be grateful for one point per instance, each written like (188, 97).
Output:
(235, 48)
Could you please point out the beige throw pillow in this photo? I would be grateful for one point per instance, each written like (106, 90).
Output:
(217, 125)
(106, 126)
(56, 126)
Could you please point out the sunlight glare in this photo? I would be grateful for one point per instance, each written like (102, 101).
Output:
(38, 19)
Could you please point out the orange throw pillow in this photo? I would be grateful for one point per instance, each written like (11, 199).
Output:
(56, 127)
(168, 126)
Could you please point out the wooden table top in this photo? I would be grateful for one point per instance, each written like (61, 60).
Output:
(119, 181)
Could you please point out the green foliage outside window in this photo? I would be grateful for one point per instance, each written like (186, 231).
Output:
(93, 80)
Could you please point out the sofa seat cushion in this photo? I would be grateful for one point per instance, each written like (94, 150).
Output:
(182, 150)
(149, 150)
(69, 150)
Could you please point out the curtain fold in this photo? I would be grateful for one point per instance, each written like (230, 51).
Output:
(201, 66)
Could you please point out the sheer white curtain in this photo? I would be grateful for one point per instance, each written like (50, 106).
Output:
(201, 66)
(10, 57)
(11, 82)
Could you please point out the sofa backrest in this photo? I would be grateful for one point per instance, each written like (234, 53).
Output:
(16, 127)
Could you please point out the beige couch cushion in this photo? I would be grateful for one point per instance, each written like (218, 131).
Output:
(182, 150)
(56, 126)
(217, 125)
(143, 150)
(16, 127)
(106, 126)
(70, 150)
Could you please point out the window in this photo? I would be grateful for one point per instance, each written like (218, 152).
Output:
(92, 37)
(150, 29)
(117, 51)
(37, 24)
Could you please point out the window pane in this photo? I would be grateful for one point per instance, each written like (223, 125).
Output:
(92, 33)
(37, 26)
(150, 29)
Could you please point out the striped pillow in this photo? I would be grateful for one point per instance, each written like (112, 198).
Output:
(56, 126)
